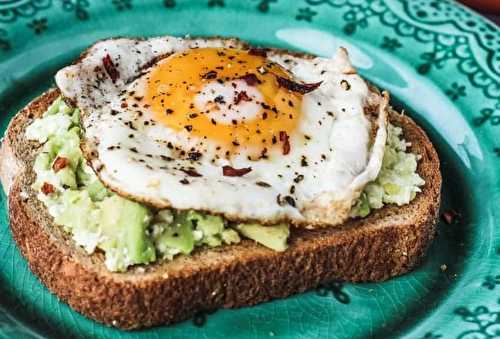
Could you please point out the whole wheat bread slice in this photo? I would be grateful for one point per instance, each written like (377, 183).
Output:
(389, 242)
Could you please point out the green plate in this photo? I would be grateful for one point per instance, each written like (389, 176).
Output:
(439, 60)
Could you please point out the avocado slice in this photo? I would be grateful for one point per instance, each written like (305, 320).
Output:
(274, 237)
(124, 224)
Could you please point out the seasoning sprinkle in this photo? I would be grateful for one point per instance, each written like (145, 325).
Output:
(290, 200)
(286, 142)
(194, 156)
(241, 96)
(251, 79)
(345, 84)
(298, 178)
(47, 188)
(191, 172)
(110, 68)
(229, 171)
(295, 86)
(209, 75)
(60, 163)
(262, 184)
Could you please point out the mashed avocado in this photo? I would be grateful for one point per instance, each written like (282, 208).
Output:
(130, 233)
(127, 232)
(398, 181)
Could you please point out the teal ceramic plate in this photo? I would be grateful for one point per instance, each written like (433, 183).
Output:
(439, 60)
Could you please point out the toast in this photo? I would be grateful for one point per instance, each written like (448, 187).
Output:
(389, 242)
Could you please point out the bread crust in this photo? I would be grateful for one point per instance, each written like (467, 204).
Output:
(389, 242)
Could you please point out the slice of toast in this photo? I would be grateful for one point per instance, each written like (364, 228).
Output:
(389, 242)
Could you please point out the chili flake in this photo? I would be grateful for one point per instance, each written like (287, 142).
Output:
(286, 142)
(229, 171)
(110, 68)
(47, 188)
(297, 87)
(60, 163)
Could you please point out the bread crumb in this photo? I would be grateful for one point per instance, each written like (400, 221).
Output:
(165, 276)
(444, 267)
(114, 322)
(214, 292)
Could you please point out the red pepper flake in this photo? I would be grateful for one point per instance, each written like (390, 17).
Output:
(241, 96)
(47, 188)
(191, 172)
(262, 52)
(297, 87)
(286, 142)
(450, 216)
(251, 79)
(229, 171)
(110, 68)
(60, 163)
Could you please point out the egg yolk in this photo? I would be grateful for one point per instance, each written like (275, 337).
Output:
(228, 96)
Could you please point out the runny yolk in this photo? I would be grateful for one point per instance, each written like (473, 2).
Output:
(176, 82)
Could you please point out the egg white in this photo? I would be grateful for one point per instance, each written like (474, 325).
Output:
(340, 153)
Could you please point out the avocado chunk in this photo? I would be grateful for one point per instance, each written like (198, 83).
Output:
(211, 227)
(97, 191)
(124, 224)
(230, 236)
(80, 216)
(274, 237)
(176, 237)
(208, 224)
(67, 178)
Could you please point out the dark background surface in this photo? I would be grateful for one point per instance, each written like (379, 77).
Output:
(492, 17)
(488, 8)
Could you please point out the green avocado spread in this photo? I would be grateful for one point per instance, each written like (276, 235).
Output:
(130, 233)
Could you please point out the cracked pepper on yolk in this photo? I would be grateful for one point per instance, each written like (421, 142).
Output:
(175, 82)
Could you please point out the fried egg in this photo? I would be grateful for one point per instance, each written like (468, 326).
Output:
(213, 125)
